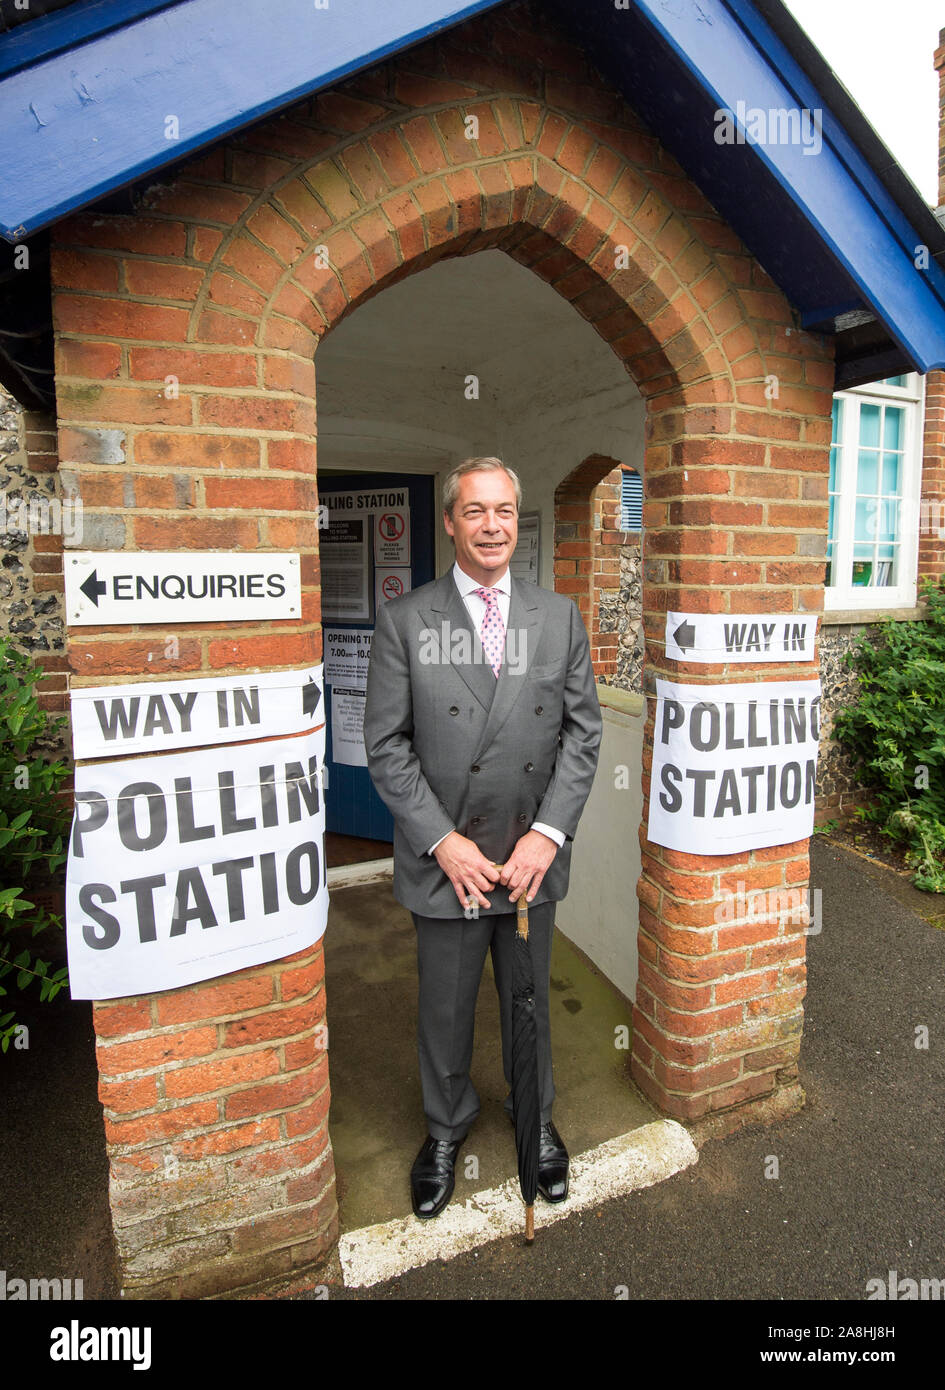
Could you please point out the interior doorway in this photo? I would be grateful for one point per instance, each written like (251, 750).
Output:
(377, 544)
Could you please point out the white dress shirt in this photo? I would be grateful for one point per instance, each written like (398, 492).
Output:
(476, 608)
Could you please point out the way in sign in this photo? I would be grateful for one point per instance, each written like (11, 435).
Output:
(109, 719)
(757, 637)
(172, 712)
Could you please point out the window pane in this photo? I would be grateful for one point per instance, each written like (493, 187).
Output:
(869, 426)
(893, 427)
(895, 381)
(891, 475)
(888, 519)
(865, 528)
(867, 474)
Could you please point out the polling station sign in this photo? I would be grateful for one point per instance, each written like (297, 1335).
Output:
(105, 587)
(188, 866)
(110, 720)
(734, 766)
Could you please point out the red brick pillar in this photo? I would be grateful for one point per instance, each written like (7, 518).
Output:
(730, 518)
(932, 503)
(216, 1095)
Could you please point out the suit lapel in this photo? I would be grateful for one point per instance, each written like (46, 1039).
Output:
(526, 619)
(458, 640)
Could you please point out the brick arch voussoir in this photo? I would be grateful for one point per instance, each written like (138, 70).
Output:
(616, 277)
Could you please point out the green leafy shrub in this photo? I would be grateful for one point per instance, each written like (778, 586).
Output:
(34, 825)
(896, 732)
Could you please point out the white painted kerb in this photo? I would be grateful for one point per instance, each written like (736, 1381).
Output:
(641, 1158)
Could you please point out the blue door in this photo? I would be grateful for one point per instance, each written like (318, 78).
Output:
(377, 544)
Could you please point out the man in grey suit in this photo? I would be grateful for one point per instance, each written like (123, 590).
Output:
(482, 731)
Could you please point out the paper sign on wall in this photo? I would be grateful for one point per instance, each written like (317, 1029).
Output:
(526, 556)
(180, 586)
(743, 637)
(185, 867)
(111, 720)
(734, 766)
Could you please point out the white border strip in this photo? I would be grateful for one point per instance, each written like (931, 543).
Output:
(639, 1159)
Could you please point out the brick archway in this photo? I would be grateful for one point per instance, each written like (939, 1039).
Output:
(587, 542)
(222, 285)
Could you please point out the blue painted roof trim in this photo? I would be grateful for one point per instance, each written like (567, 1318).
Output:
(87, 91)
(91, 118)
(824, 225)
(64, 29)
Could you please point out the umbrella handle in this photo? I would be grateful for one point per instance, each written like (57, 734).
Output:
(521, 910)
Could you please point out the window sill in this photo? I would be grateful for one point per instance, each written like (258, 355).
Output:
(844, 617)
(622, 701)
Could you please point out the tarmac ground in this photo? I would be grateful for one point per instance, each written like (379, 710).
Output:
(810, 1208)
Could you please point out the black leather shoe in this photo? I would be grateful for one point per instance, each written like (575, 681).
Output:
(552, 1165)
(432, 1176)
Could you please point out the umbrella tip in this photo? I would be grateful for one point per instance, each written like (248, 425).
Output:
(529, 1225)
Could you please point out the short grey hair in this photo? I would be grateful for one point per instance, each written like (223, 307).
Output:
(476, 465)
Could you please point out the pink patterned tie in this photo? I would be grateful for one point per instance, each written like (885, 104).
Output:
(493, 630)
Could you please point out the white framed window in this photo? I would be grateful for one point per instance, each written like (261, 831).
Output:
(875, 483)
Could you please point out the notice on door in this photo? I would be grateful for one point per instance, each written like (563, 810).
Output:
(392, 536)
(390, 583)
(734, 766)
(190, 866)
(347, 654)
(347, 726)
(343, 548)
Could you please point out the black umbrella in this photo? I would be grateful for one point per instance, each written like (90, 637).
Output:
(526, 1108)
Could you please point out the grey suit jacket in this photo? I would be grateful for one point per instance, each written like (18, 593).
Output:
(449, 747)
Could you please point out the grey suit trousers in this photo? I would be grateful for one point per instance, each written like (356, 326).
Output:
(451, 953)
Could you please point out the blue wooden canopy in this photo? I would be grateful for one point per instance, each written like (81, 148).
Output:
(88, 90)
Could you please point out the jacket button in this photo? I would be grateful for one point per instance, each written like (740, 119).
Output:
(522, 817)
(454, 709)
(539, 709)
(529, 767)
(474, 768)
(477, 820)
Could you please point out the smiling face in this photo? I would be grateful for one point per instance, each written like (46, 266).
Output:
(484, 524)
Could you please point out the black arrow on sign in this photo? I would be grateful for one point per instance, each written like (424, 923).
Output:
(310, 697)
(685, 636)
(92, 587)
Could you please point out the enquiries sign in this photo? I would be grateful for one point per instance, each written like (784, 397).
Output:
(734, 766)
(180, 586)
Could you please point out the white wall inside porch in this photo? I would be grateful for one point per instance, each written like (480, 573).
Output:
(392, 382)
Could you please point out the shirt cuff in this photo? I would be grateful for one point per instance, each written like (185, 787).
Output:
(439, 842)
(558, 836)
